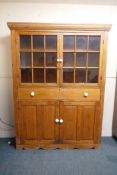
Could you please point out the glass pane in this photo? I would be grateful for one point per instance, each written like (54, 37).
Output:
(94, 43)
(51, 42)
(51, 59)
(68, 75)
(80, 75)
(81, 42)
(25, 59)
(38, 75)
(81, 59)
(38, 59)
(26, 75)
(92, 75)
(69, 42)
(68, 59)
(93, 59)
(38, 42)
(51, 75)
(25, 42)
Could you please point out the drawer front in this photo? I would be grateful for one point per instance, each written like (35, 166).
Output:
(80, 94)
(40, 93)
(59, 94)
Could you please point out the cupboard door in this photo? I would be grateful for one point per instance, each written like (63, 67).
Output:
(37, 122)
(48, 129)
(81, 58)
(78, 121)
(28, 122)
(38, 58)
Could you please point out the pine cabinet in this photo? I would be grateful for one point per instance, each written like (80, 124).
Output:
(58, 80)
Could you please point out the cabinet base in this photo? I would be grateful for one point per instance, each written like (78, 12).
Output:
(59, 146)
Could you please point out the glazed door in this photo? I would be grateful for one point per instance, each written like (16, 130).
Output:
(81, 55)
(38, 55)
(37, 122)
(77, 121)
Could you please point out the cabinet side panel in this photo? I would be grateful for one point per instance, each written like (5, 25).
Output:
(100, 107)
(14, 46)
(114, 128)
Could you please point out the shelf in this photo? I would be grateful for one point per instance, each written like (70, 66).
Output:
(26, 67)
(80, 51)
(44, 67)
(37, 50)
(43, 50)
(25, 50)
(80, 67)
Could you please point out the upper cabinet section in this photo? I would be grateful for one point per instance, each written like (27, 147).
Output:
(58, 54)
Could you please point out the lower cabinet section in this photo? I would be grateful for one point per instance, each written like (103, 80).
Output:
(58, 124)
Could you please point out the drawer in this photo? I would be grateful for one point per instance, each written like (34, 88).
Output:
(40, 93)
(59, 94)
(79, 94)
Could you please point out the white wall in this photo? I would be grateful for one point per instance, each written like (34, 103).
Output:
(54, 13)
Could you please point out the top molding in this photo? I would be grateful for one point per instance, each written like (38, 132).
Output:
(54, 26)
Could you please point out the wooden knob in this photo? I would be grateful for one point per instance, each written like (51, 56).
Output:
(86, 94)
(32, 94)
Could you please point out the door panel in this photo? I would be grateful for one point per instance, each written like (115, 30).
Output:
(78, 121)
(85, 128)
(28, 121)
(68, 113)
(48, 130)
(68, 128)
